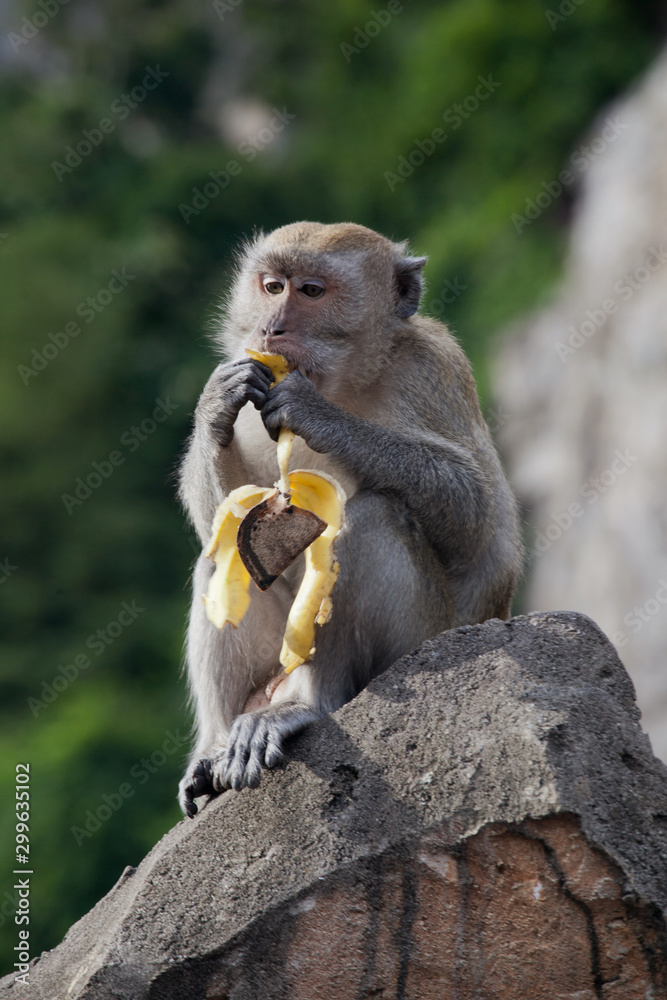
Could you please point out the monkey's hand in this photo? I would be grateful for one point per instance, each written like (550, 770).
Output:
(230, 387)
(299, 406)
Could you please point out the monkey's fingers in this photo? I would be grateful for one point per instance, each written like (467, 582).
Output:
(253, 770)
(248, 384)
(257, 380)
(243, 387)
(255, 396)
(256, 366)
(273, 755)
(288, 404)
(202, 778)
(256, 743)
(273, 416)
(238, 751)
(229, 381)
(201, 783)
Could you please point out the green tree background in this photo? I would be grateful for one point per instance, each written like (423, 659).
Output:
(359, 102)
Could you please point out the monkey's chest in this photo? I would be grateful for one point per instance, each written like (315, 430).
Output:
(260, 460)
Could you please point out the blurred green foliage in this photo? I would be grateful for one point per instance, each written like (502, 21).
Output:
(70, 566)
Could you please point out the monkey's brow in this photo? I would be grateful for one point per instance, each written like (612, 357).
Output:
(295, 262)
(277, 263)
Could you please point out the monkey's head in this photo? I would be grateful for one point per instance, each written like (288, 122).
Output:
(331, 298)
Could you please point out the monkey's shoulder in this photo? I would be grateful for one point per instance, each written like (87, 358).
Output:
(435, 377)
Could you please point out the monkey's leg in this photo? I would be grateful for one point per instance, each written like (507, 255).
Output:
(224, 668)
(391, 594)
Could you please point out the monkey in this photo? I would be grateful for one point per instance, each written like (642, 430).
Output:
(384, 400)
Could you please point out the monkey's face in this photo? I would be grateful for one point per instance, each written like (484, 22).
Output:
(328, 298)
(308, 316)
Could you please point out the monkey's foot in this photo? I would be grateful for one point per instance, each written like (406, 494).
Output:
(254, 742)
(199, 779)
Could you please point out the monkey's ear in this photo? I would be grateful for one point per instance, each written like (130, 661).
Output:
(409, 284)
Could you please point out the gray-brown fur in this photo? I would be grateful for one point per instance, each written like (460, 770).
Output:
(384, 400)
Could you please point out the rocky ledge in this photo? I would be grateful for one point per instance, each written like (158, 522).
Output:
(485, 820)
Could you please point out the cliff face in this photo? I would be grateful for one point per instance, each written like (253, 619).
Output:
(584, 385)
(485, 820)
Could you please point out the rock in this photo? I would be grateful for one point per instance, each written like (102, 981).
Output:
(585, 386)
(485, 820)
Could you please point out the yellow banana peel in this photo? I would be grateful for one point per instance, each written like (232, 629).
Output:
(228, 596)
(312, 605)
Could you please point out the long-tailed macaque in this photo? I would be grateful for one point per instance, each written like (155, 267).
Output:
(383, 400)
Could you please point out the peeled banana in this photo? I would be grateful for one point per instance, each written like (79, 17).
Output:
(228, 598)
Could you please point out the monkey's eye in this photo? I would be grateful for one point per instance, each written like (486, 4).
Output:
(272, 286)
(312, 290)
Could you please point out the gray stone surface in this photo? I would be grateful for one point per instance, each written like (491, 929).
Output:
(490, 724)
(584, 381)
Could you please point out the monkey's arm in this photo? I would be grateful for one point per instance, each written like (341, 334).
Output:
(211, 457)
(439, 481)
